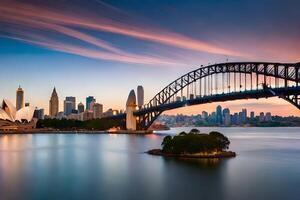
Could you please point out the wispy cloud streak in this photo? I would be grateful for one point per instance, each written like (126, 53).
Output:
(113, 54)
(104, 24)
(81, 51)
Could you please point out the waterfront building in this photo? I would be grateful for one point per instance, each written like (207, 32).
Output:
(86, 115)
(261, 117)
(73, 116)
(204, 115)
(53, 104)
(60, 115)
(97, 110)
(212, 117)
(19, 98)
(39, 113)
(268, 117)
(89, 101)
(109, 113)
(252, 115)
(12, 119)
(140, 96)
(80, 108)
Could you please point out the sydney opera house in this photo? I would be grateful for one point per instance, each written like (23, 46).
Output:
(12, 119)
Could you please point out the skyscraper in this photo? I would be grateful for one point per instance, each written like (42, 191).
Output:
(226, 116)
(80, 108)
(98, 110)
(53, 104)
(244, 115)
(19, 98)
(89, 100)
(219, 118)
(69, 105)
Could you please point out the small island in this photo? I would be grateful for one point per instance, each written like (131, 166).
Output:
(195, 145)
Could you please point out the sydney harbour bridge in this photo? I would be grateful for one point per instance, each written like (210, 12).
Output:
(223, 82)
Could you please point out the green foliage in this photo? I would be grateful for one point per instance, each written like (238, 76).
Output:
(95, 124)
(195, 131)
(194, 142)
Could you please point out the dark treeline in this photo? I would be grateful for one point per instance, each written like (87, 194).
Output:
(95, 124)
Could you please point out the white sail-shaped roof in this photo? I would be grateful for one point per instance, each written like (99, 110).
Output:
(10, 109)
(9, 112)
(4, 115)
(25, 113)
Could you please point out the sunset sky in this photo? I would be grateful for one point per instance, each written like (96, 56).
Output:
(106, 48)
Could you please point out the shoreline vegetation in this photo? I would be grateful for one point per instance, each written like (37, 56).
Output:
(195, 145)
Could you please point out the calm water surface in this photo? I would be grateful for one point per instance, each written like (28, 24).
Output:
(95, 166)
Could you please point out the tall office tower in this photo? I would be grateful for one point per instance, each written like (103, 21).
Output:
(252, 115)
(19, 98)
(53, 104)
(89, 100)
(219, 118)
(235, 118)
(226, 117)
(69, 105)
(98, 110)
(240, 119)
(244, 115)
(140, 96)
(80, 108)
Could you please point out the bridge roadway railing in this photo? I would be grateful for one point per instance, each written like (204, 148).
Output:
(248, 94)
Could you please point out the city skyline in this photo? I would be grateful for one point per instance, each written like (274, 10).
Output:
(117, 46)
(196, 109)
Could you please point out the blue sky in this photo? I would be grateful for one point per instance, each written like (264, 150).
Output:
(107, 48)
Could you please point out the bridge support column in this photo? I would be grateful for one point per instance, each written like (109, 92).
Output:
(130, 109)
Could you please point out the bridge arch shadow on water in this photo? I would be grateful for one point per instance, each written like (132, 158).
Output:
(224, 82)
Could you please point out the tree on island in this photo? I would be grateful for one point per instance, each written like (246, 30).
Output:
(194, 142)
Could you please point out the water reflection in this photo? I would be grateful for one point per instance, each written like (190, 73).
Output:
(91, 166)
(205, 163)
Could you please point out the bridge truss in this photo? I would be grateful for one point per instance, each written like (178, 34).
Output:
(223, 82)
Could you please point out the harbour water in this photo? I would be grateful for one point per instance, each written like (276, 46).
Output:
(104, 166)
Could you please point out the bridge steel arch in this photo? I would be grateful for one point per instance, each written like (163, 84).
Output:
(285, 77)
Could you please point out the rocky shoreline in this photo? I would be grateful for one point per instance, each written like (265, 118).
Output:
(222, 154)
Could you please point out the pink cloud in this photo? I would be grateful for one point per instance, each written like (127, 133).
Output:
(107, 25)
